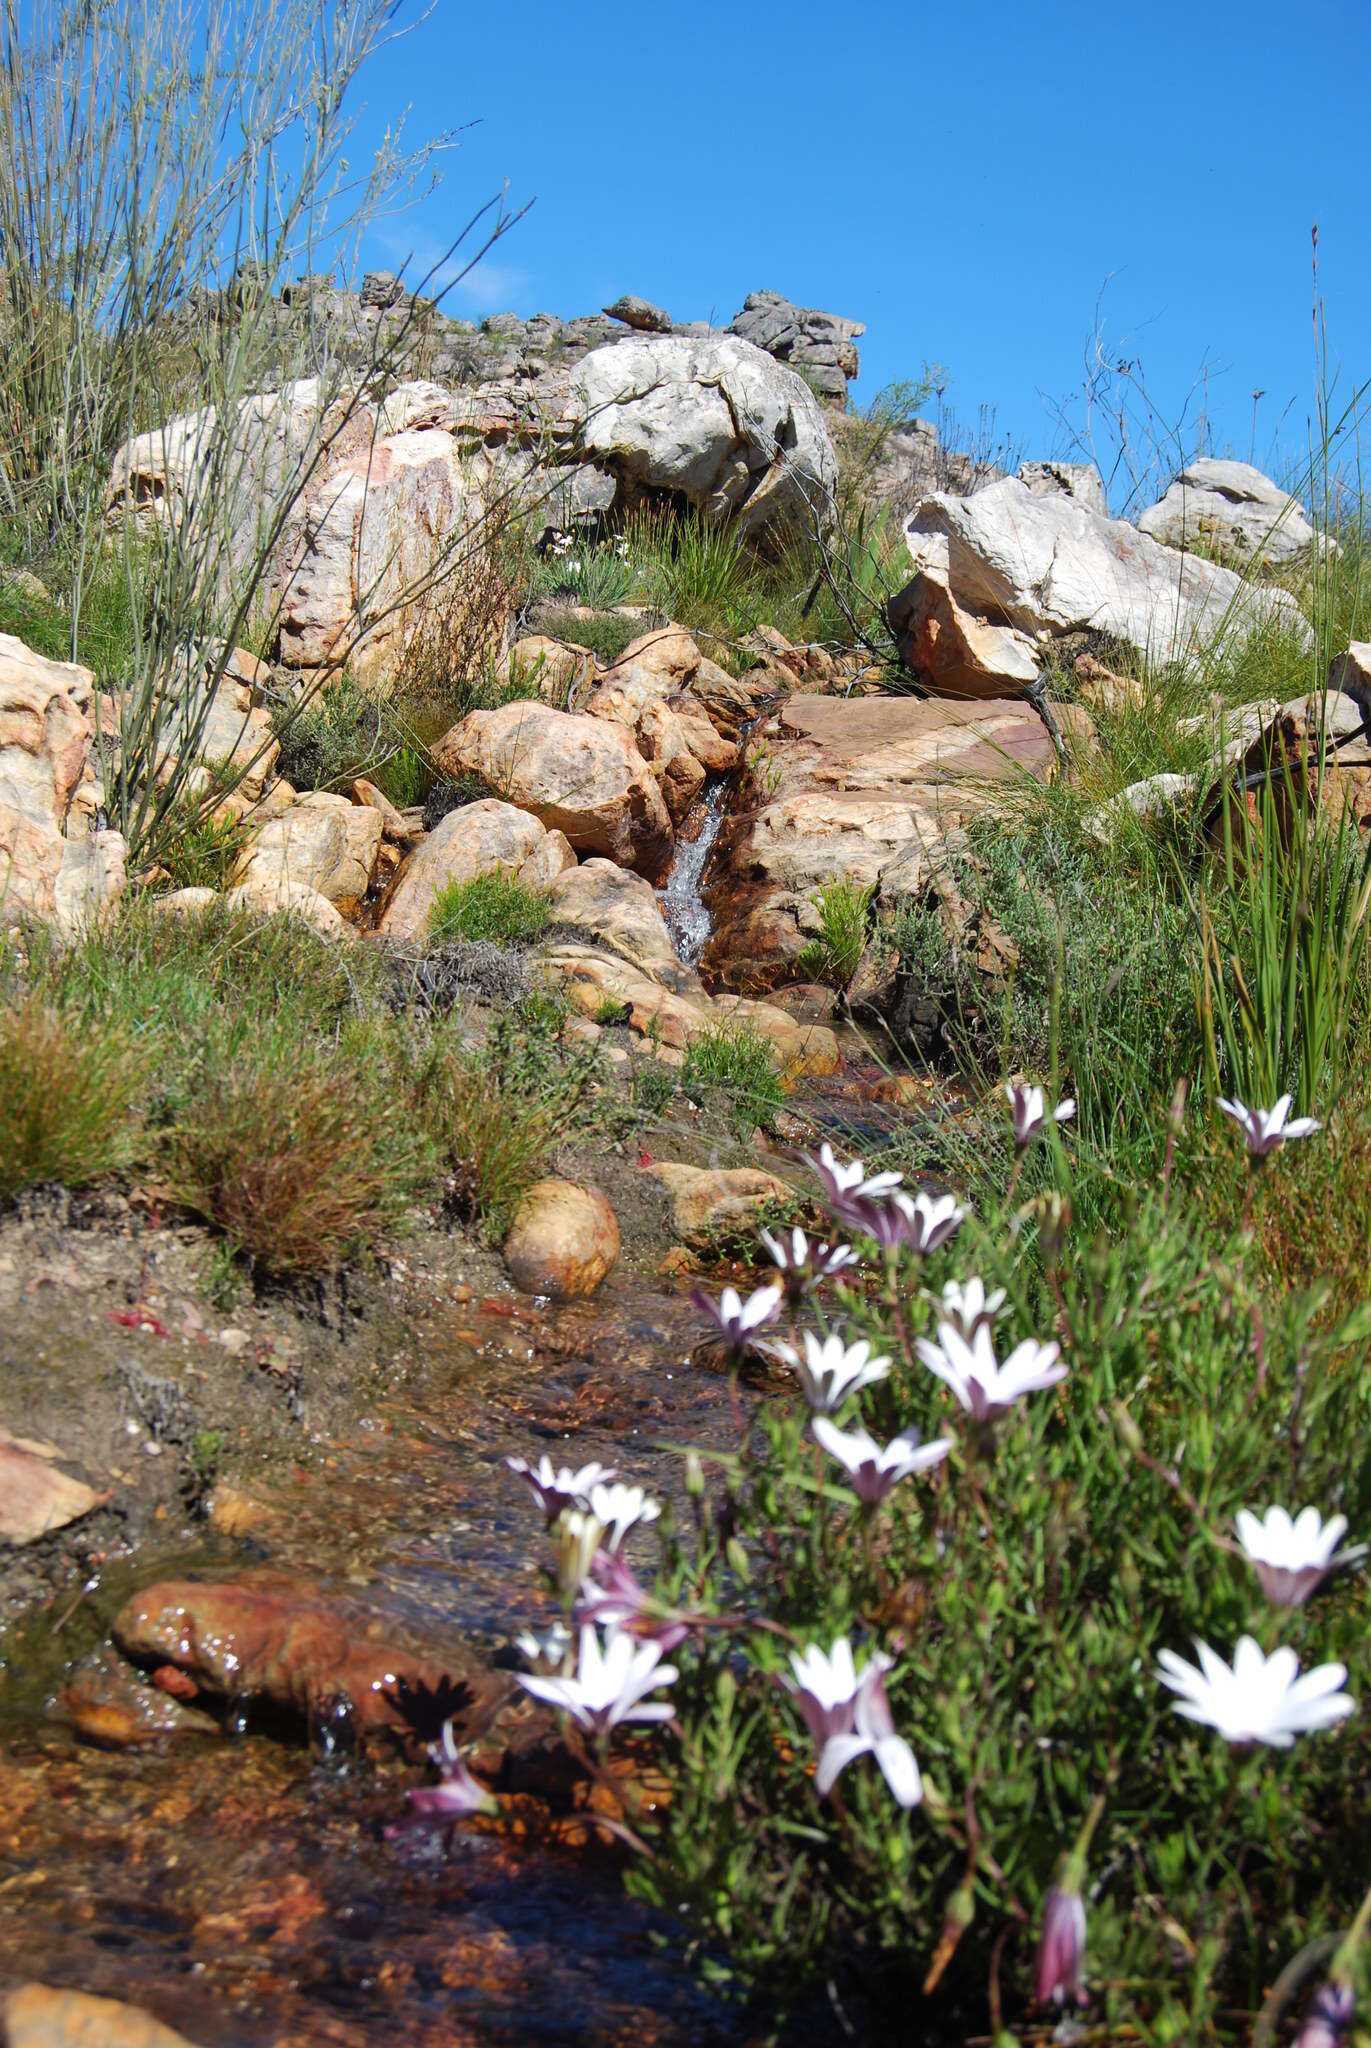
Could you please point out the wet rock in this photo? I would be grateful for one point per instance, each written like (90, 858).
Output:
(1001, 575)
(714, 420)
(862, 789)
(564, 1240)
(578, 775)
(274, 1642)
(476, 839)
(672, 1017)
(1230, 508)
(323, 843)
(619, 910)
(35, 1497)
(110, 1706)
(708, 1203)
(36, 2017)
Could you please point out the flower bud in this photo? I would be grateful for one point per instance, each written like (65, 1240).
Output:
(1061, 1951)
(578, 1539)
(737, 1559)
(694, 1476)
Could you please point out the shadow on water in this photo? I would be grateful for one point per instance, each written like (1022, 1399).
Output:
(244, 1888)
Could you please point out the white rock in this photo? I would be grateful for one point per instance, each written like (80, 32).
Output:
(1231, 506)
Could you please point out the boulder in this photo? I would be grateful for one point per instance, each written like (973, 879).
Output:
(554, 670)
(184, 902)
(238, 737)
(666, 662)
(1003, 574)
(1078, 480)
(69, 883)
(671, 1016)
(620, 911)
(581, 776)
(1350, 672)
(862, 789)
(819, 344)
(323, 843)
(712, 420)
(475, 839)
(649, 692)
(712, 1202)
(269, 895)
(563, 1242)
(1230, 509)
(46, 729)
(36, 2016)
(639, 314)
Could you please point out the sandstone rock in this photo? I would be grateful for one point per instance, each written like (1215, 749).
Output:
(46, 729)
(69, 883)
(111, 1706)
(714, 420)
(710, 1202)
(564, 1240)
(863, 789)
(1078, 480)
(557, 670)
(619, 910)
(35, 1497)
(183, 902)
(673, 730)
(476, 839)
(1002, 574)
(665, 662)
(322, 843)
(1350, 672)
(821, 344)
(269, 1639)
(36, 2017)
(393, 825)
(581, 776)
(639, 314)
(1232, 508)
(270, 895)
(673, 1016)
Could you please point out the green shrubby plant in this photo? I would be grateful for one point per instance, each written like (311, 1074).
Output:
(498, 907)
(738, 1063)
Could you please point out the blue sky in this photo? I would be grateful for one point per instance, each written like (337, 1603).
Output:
(964, 178)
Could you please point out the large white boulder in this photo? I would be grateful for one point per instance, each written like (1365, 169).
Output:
(1002, 574)
(711, 418)
(1232, 509)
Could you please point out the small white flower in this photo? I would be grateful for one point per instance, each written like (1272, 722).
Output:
(1258, 1698)
(1290, 1557)
(849, 1182)
(618, 1508)
(920, 1223)
(1029, 1111)
(848, 1715)
(873, 1470)
(830, 1371)
(609, 1683)
(1265, 1129)
(802, 1264)
(556, 1488)
(981, 1384)
(738, 1321)
(549, 1648)
(966, 1304)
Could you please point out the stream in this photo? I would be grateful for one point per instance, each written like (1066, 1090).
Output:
(683, 910)
(242, 1885)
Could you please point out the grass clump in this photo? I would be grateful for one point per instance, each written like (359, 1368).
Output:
(605, 636)
(497, 907)
(844, 910)
(68, 1098)
(301, 1162)
(734, 1061)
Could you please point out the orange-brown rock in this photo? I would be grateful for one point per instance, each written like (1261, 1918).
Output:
(36, 2017)
(565, 1239)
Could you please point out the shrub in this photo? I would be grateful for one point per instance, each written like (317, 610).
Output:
(299, 1157)
(605, 636)
(496, 906)
(67, 1098)
(735, 1060)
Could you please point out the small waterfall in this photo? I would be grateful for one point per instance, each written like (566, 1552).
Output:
(687, 920)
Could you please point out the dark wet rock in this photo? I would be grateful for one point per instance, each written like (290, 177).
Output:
(281, 1644)
(110, 1705)
(36, 2017)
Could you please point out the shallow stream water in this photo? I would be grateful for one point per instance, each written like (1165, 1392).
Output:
(242, 1886)
(683, 909)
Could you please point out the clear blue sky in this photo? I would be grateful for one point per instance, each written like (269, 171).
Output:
(962, 177)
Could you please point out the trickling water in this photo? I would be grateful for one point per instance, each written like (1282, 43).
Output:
(687, 919)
